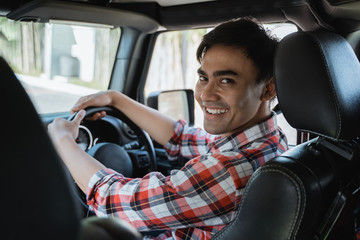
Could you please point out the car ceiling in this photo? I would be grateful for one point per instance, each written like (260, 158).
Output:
(335, 15)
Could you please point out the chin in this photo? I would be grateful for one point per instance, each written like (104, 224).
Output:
(213, 130)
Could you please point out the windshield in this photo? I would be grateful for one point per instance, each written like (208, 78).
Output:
(58, 63)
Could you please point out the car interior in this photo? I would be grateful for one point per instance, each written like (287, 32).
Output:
(309, 192)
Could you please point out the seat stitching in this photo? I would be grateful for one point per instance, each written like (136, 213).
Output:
(338, 113)
(297, 183)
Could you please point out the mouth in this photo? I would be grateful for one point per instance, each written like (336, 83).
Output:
(216, 111)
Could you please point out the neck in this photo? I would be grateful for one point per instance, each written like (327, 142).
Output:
(264, 113)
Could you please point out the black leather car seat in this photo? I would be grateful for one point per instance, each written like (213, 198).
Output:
(312, 190)
(37, 197)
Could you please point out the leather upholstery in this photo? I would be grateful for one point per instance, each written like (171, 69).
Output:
(286, 198)
(317, 82)
(36, 199)
(310, 191)
(95, 228)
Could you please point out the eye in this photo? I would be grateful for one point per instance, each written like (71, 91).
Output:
(202, 78)
(226, 81)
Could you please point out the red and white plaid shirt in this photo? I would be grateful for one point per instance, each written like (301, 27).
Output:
(198, 200)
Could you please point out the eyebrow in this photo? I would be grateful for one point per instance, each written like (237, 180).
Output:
(219, 73)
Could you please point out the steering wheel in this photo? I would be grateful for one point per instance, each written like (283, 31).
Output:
(114, 156)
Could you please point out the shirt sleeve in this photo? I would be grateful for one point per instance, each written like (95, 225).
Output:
(202, 193)
(188, 142)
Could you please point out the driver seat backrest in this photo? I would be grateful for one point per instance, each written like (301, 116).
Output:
(310, 191)
(36, 196)
(37, 200)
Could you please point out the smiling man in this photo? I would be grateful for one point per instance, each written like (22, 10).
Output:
(234, 89)
(228, 92)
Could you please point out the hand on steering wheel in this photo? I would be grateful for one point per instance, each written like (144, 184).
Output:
(112, 155)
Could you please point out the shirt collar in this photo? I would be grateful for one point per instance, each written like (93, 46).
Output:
(237, 140)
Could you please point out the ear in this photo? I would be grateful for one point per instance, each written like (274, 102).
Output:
(269, 91)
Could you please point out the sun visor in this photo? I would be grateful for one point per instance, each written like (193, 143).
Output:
(45, 11)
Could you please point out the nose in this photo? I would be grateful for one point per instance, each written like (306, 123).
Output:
(209, 92)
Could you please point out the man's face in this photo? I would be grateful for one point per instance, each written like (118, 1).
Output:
(227, 91)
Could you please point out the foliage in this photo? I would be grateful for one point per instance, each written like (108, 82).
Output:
(20, 45)
(46, 50)
(174, 64)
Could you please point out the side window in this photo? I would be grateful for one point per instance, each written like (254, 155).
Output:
(174, 66)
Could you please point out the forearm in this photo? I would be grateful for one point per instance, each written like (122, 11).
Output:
(129, 198)
(80, 164)
(159, 126)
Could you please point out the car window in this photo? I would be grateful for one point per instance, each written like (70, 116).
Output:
(59, 62)
(174, 65)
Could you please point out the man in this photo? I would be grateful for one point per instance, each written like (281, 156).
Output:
(234, 90)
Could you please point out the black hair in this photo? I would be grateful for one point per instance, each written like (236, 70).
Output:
(247, 34)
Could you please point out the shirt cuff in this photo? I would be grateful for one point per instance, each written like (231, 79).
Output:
(96, 181)
(172, 147)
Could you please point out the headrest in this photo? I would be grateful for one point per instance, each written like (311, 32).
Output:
(317, 77)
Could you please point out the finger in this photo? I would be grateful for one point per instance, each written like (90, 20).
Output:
(76, 108)
(94, 117)
(102, 114)
(55, 124)
(79, 117)
(97, 116)
(82, 103)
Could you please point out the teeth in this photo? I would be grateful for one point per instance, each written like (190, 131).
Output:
(216, 111)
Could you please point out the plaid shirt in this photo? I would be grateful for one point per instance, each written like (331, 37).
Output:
(198, 200)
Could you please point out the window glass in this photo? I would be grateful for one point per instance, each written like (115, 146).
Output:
(174, 65)
(58, 63)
